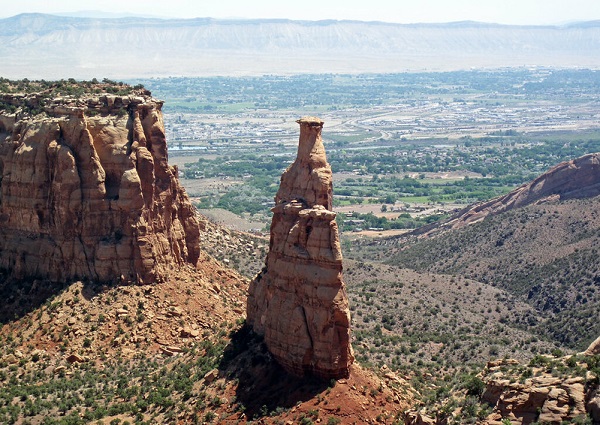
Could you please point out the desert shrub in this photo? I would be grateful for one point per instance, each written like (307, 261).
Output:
(473, 384)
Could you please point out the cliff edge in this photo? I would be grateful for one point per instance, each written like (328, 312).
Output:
(85, 188)
(578, 178)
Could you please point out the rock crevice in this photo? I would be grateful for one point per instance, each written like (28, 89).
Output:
(299, 302)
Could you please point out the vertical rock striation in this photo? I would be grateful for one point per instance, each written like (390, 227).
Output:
(86, 191)
(298, 302)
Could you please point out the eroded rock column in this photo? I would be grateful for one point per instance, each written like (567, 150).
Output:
(299, 302)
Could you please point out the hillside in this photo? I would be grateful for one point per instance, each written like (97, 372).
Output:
(86, 47)
(539, 243)
(546, 255)
(177, 352)
(513, 277)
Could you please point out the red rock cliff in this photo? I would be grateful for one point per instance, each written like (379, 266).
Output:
(86, 191)
(298, 302)
(578, 178)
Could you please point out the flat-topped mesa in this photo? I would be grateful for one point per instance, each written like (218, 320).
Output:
(298, 302)
(86, 191)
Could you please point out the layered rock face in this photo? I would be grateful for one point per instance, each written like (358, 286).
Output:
(299, 302)
(543, 398)
(579, 178)
(86, 191)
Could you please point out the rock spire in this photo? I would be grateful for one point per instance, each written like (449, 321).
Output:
(298, 302)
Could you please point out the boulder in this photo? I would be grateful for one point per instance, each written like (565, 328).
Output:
(211, 376)
(76, 358)
(187, 332)
(594, 348)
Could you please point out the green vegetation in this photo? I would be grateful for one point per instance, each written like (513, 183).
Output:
(31, 97)
(70, 87)
(386, 176)
(371, 221)
(147, 390)
(512, 161)
(328, 92)
(260, 177)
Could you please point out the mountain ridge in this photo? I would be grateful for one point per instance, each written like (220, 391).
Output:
(577, 178)
(317, 22)
(135, 47)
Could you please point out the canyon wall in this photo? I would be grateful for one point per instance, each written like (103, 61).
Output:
(86, 191)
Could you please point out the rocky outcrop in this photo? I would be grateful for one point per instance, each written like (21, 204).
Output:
(593, 349)
(578, 178)
(549, 391)
(86, 191)
(544, 398)
(298, 302)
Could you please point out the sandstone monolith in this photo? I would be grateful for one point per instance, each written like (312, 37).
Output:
(86, 191)
(298, 302)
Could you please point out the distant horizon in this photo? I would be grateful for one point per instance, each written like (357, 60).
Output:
(502, 12)
(92, 14)
(50, 47)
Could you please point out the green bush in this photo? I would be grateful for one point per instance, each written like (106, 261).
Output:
(474, 385)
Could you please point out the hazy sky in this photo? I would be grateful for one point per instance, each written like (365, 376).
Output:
(404, 11)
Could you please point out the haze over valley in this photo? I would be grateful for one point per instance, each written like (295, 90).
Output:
(138, 47)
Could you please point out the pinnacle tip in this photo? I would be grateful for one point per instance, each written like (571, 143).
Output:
(311, 121)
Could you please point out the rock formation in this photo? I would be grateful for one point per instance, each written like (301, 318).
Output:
(578, 178)
(549, 391)
(543, 398)
(298, 301)
(86, 191)
(593, 349)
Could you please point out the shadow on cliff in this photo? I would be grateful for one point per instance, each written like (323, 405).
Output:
(19, 297)
(263, 386)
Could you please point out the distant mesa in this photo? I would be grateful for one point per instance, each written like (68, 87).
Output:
(298, 302)
(86, 191)
(47, 46)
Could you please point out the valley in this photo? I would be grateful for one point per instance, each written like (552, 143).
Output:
(446, 322)
(406, 149)
(426, 308)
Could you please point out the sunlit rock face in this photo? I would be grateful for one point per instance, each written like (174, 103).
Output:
(86, 191)
(577, 178)
(299, 302)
